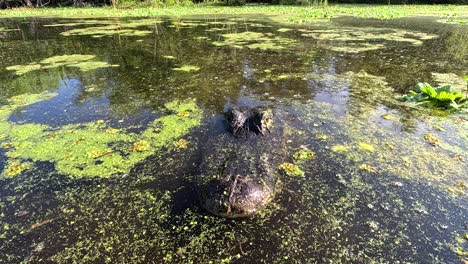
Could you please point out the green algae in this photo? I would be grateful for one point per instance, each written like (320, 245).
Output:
(366, 146)
(103, 31)
(2, 29)
(387, 151)
(92, 149)
(340, 148)
(391, 117)
(85, 22)
(187, 68)
(355, 40)
(291, 169)
(169, 57)
(456, 82)
(122, 28)
(82, 62)
(303, 154)
(254, 40)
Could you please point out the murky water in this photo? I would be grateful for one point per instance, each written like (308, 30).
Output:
(106, 123)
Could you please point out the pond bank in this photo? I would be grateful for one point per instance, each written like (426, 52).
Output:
(285, 14)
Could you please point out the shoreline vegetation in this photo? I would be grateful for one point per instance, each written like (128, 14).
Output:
(278, 13)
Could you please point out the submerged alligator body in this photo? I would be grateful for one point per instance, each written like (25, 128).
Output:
(239, 174)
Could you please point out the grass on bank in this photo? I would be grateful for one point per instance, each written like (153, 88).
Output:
(289, 14)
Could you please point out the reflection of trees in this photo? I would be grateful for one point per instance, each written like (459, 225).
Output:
(145, 78)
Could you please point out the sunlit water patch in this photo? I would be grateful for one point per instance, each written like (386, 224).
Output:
(107, 127)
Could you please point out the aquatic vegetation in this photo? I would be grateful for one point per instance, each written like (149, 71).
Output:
(366, 146)
(322, 136)
(82, 62)
(2, 29)
(91, 149)
(291, 169)
(303, 154)
(169, 57)
(103, 31)
(122, 28)
(460, 21)
(458, 83)
(390, 117)
(181, 144)
(84, 22)
(285, 14)
(254, 40)
(432, 139)
(340, 148)
(187, 68)
(442, 97)
(15, 167)
(355, 40)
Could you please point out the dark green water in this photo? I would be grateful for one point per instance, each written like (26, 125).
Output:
(378, 190)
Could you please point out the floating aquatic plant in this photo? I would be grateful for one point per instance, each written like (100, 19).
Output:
(187, 68)
(304, 154)
(441, 97)
(83, 62)
(2, 29)
(117, 28)
(89, 149)
(254, 40)
(354, 40)
(291, 169)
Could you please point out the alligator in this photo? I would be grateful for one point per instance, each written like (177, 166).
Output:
(240, 173)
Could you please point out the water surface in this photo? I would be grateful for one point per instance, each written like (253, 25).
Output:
(131, 108)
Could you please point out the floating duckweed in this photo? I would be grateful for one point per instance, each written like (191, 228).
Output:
(368, 168)
(99, 32)
(141, 145)
(22, 69)
(118, 28)
(340, 148)
(390, 117)
(284, 29)
(304, 154)
(254, 40)
(2, 29)
(169, 57)
(184, 114)
(322, 136)
(187, 68)
(455, 81)
(366, 147)
(94, 154)
(354, 40)
(91, 149)
(81, 22)
(181, 144)
(291, 169)
(15, 167)
(432, 139)
(83, 62)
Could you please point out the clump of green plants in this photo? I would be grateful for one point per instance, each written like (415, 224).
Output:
(92, 149)
(83, 62)
(304, 154)
(187, 68)
(439, 97)
(291, 169)
(254, 40)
